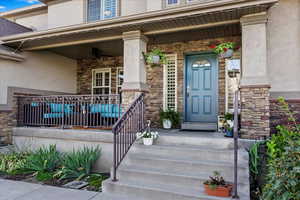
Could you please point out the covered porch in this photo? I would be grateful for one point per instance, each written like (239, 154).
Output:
(110, 61)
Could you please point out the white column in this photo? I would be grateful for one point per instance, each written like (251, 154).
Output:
(135, 43)
(254, 50)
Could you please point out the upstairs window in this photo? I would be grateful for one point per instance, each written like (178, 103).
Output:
(172, 2)
(101, 9)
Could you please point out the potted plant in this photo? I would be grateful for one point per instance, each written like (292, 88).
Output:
(147, 136)
(224, 50)
(169, 118)
(217, 186)
(228, 124)
(155, 57)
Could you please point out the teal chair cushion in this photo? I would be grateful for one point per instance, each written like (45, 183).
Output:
(53, 115)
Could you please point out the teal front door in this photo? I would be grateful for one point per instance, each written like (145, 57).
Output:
(201, 88)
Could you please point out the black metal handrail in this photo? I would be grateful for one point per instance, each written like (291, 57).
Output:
(236, 137)
(93, 111)
(125, 129)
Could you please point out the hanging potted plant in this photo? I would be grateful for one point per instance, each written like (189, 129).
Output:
(147, 136)
(217, 186)
(155, 57)
(169, 118)
(224, 50)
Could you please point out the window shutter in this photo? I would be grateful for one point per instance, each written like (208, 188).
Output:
(93, 10)
(110, 9)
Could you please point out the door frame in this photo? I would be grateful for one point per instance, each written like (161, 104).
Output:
(186, 55)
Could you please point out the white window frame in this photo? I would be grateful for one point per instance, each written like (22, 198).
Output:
(165, 83)
(102, 70)
(102, 8)
(117, 79)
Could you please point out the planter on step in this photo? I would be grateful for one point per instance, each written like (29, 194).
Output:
(167, 124)
(148, 141)
(218, 191)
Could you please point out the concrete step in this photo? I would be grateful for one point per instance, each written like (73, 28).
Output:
(216, 140)
(155, 191)
(186, 165)
(199, 126)
(183, 179)
(191, 152)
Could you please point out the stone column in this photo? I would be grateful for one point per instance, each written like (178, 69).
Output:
(135, 43)
(254, 86)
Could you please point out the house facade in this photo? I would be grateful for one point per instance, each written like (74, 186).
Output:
(95, 47)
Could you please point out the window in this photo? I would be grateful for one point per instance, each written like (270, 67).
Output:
(172, 2)
(101, 81)
(170, 83)
(201, 63)
(120, 79)
(101, 9)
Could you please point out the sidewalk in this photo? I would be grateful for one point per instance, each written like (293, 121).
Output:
(17, 190)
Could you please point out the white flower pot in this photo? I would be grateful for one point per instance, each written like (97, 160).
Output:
(156, 59)
(148, 141)
(227, 54)
(167, 124)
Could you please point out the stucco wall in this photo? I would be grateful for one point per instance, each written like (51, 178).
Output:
(41, 70)
(66, 13)
(284, 46)
(129, 7)
(36, 22)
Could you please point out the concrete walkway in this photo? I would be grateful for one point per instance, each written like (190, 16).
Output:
(17, 190)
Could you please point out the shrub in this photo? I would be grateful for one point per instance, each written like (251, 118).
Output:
(43, 162)
(78, 164)
(11, 163)
(283, 178)
(95, 181)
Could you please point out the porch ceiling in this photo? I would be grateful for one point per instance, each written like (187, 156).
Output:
(153, 23)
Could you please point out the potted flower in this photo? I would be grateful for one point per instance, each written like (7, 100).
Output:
(147, 136)
(169, 118)
(155, 57)
(217, 186)
(228, 124)
(224, 50)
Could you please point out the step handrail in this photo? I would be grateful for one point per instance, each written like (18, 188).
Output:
(236, 137)
(125, 129)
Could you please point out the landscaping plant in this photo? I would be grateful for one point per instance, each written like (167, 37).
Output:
(78, 164)
(95, 181)
(43, 163)
(217, 186)
(222, 47)
(155, 52)
(11, 163)
(283, 178)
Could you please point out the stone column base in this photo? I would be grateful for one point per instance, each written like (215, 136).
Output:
(255, 111)
(128, 96)
(7, 123)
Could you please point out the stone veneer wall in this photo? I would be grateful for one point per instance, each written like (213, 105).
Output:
(7, 121)
(255, 111)
(84, 72)
(154, 99)
(278, 117)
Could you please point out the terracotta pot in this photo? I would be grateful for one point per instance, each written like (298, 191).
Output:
(220, 191)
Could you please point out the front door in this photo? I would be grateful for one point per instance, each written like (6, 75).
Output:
(201, 88)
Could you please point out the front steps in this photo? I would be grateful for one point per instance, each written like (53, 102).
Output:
(175, 169)
(197, 126)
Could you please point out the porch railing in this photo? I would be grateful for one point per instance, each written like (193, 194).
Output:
(236, 146)
(131, 122)
(95, 111)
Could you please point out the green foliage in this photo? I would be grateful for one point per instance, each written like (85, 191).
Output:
(215, 181)
(229, 116)
(95, 181)
(283, 179)
(11, 163)
(44, 160)
(44, 176)
(171, 115)
(155, 52)
(254, 157)
(223, 47)
(78, 164)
